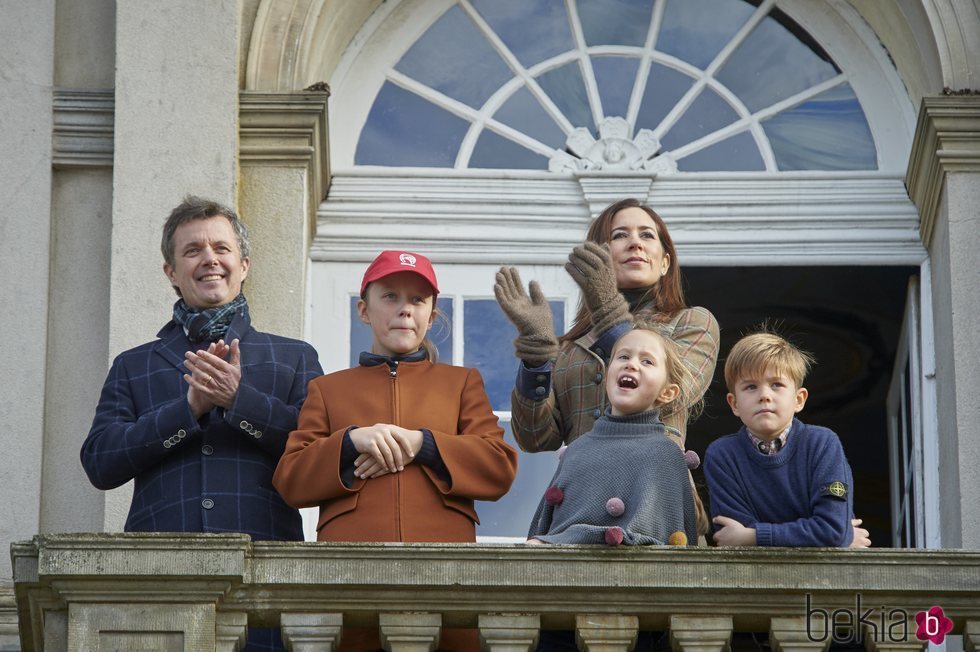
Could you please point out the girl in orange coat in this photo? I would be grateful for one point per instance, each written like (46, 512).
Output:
(397, 448)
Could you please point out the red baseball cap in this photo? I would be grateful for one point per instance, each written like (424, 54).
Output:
(392, 262)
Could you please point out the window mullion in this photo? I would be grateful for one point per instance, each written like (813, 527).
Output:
(585, 63)
(643, 71)
(518, 68)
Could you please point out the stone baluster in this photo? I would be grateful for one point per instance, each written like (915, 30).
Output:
(700, 633)
(311, 632)
(606, 632)
(409, 632)
(798, 634)
(509, 632)
(230, 631)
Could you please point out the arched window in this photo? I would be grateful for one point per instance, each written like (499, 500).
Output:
(682, 85)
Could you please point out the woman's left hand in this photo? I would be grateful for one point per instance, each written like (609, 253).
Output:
(590, 266)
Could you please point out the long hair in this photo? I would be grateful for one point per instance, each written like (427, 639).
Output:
(663, 300)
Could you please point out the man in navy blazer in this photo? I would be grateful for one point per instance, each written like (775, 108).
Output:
(199, 417)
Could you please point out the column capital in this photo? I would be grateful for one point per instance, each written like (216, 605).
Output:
(287, 129)
(947, 139)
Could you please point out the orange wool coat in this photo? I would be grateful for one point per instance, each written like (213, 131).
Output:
(414, 504)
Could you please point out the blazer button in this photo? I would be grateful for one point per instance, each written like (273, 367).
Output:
(540, 391)
(244, 425)
(598, 379)
(256, 433)
(541, 378)
(207, 503)
(167, 444)
(207, 449)
(181, 433)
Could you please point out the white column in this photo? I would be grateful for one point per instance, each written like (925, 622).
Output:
(26, 87)
(176, 132)
(944, 181)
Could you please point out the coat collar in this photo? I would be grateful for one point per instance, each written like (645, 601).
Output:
(173, 343)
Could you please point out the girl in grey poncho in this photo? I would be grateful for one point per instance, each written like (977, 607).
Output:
(626, 481)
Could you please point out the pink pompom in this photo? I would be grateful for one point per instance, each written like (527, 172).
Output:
(615, 506)
(692, 459)
(614, 536)
(554, 495)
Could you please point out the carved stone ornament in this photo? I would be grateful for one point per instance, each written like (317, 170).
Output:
(613, 151)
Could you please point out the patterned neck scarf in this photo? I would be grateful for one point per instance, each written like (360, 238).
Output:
(210, 324)
(368, 359)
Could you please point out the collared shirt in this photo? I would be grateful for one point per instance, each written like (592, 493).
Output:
(770, 447)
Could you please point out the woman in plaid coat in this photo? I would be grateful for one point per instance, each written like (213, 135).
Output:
(627, 267)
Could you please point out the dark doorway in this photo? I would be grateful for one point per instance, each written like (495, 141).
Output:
(850, 319)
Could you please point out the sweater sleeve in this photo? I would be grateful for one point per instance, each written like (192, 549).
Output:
(829, 523)
(481, 465)
(729, 495)
(309, 472)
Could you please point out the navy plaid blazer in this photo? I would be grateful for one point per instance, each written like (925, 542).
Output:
(212, 475)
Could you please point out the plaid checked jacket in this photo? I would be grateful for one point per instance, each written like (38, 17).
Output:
(212, 475)
(578, 394)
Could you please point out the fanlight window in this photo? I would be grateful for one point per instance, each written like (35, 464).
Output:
(659, 85)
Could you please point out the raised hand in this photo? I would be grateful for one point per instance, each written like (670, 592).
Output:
(212, 380)
(530, 313)
(590, 266)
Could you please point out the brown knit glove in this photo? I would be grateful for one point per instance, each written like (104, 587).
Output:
(590, 265)
(536, 342)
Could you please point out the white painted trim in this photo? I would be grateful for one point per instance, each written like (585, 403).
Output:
(715, 220)
(930, 414)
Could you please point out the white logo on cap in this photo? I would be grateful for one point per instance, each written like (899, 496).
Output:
(407, 259)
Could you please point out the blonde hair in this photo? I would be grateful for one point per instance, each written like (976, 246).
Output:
(756, 352)
(679, 371)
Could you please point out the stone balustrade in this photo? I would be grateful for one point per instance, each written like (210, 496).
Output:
(84, 592)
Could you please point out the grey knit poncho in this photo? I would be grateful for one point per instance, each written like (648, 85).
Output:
(624, 474)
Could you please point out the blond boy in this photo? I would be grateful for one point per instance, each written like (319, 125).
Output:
(777, 481)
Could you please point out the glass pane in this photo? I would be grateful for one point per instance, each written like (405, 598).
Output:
(511, 515)
(829, 132)
(773, 64)
(440, 333)
(708, 113)
(566, 88)
(696, 30)
(615, 76)
(404, 129)
(534, 31)
(495, 151)
(524, 113)
(455, 58)
(615, 22)
(665, 86)
(738, 153)
(488, 345)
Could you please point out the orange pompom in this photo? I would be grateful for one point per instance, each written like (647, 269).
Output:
(677, 539)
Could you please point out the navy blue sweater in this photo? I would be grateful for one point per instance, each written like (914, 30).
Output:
(801, 496)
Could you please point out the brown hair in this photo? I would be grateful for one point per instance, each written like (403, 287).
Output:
(762, 350)
(679, 371)
(663, 300)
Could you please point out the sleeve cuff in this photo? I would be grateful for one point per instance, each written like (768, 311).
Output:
(429, 456)
(604, 344)
(347, 456)
(763, 534)
(534, 383)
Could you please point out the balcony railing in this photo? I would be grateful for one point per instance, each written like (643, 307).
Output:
(84, 592)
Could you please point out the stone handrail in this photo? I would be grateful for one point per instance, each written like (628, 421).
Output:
(198, 592)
